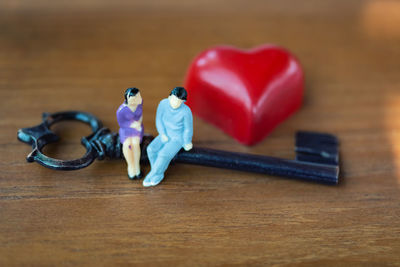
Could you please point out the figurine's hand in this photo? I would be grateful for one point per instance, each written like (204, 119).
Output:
(187, 147)
(136, 125)
(164, 138)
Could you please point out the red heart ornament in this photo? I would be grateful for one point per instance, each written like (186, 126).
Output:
(246, 93)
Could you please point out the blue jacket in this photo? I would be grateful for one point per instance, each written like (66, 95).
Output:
(177, 124)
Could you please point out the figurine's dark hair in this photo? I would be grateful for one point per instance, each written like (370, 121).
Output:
(132, 91)
(179, 92)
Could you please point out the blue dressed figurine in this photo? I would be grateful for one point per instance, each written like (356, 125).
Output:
(174, 123)
(130, 120)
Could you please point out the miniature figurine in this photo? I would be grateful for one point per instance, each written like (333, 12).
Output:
(130, 120)
(174, 124)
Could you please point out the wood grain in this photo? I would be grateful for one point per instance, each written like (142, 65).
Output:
(82, 55)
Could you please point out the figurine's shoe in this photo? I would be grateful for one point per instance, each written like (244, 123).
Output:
(134, 177)
(131, 174)
(147, 181)
(139, 176)
(156, 179)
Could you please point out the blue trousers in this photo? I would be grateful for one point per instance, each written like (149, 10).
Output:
(160, 155)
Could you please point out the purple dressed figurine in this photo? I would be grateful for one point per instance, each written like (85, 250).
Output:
(130, 120)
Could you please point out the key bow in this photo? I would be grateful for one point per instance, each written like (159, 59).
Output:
(40, 135)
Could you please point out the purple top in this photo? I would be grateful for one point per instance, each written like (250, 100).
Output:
(125, 118)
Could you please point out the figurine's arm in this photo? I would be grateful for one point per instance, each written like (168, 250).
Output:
(123, 122)
(188, 130)
(137, 124)
(159, 123)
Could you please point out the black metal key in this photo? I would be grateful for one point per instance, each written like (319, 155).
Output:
(317, 155)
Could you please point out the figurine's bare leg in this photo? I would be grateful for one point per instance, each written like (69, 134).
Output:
(135, 145)
(127, 149)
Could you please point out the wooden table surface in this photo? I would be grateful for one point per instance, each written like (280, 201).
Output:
(81, 55)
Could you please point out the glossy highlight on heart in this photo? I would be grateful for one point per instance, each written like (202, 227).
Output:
(245, 93)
